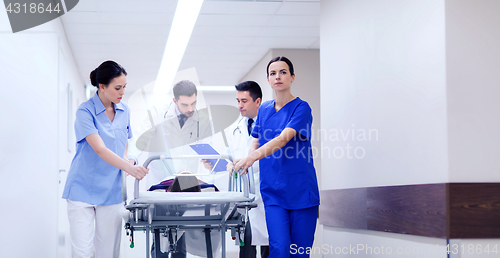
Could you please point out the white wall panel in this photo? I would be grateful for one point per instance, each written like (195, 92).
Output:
(383, 93)
(422, 74)
(29, 144)
(473, 61)
(36, 67)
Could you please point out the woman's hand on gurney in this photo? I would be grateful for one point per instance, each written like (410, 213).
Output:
(243, 164)
(138, 172)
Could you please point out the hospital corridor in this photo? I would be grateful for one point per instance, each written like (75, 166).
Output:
(250, 128)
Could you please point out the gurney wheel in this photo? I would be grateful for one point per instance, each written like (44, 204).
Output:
(249, 205)
(133, 207)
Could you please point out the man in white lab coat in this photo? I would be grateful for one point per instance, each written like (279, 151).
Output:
(178, 123)
(249, 97)
(182, 124)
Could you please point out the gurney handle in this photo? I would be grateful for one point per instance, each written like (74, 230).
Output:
(163, 157)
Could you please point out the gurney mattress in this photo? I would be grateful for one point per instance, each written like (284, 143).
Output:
(190, 198)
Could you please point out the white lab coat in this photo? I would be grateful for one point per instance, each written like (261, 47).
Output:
(196, 129)
(239, 143)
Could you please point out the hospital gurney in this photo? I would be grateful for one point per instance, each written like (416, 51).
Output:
(167, 214)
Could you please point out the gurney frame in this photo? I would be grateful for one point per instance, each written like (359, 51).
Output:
(142, 216)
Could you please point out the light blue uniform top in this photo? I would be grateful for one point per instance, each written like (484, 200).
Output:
(91, 179)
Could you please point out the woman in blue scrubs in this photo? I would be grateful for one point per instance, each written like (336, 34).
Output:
(93, 187)
(289, 186)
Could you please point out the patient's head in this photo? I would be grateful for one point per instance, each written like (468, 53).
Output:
(185, 182)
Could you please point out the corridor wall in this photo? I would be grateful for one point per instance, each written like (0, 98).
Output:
(407, 98)
(40, 85)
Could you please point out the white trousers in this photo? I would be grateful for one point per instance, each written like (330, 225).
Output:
(95, 229)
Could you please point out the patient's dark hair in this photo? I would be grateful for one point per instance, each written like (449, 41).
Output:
(184, 88)
(106, 72)
(284, 59)
(252, 87)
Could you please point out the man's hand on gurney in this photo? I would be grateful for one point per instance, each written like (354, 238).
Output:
(243, 164)
(207, 164)
(229, 168)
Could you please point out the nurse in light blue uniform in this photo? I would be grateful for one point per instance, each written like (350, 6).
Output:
(289, 186)
(93, 187)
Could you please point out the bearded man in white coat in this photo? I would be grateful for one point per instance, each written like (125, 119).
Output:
(177, 125)
(249, 97)
(181, 124)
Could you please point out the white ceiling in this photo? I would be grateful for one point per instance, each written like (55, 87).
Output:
(229, 38)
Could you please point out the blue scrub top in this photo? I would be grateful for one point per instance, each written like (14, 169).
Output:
(287, 177)
(91, 179)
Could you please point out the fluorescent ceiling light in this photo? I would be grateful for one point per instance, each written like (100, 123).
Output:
(217, 88)
(185, 16)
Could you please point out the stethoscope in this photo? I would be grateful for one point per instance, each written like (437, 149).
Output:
(197, 122)
(238, 127)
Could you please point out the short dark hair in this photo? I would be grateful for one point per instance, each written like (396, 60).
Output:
(284, 59)
(184, 88)
(106, 72)
(252, 87)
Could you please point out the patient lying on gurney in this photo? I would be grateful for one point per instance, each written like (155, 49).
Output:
(184, 183)
(194, 239)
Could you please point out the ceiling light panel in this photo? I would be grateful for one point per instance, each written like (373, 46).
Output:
(229, 37)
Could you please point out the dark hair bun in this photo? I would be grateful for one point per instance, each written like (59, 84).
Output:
(106, 72)
(93, 78)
